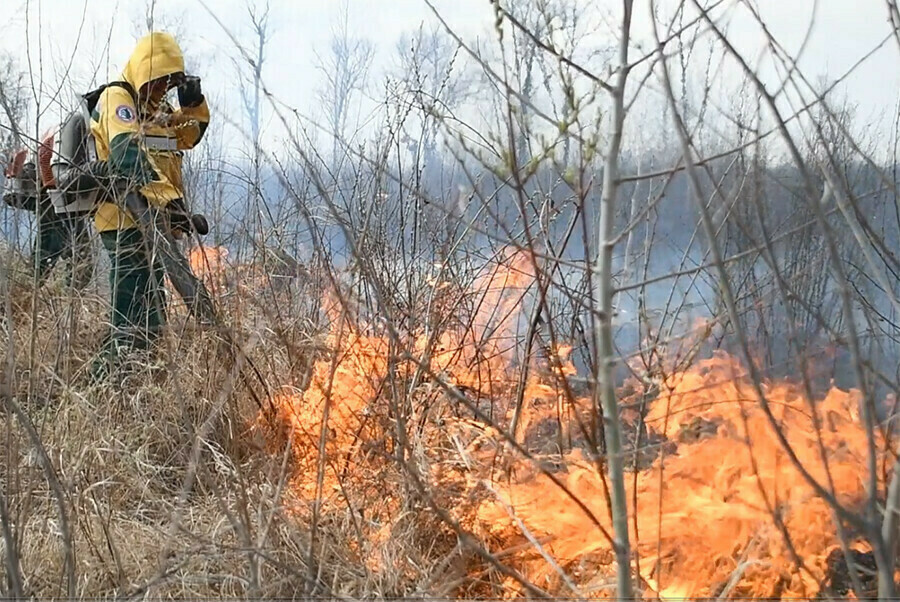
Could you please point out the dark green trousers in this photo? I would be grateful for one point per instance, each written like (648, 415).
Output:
(63, 238)
(138, 302)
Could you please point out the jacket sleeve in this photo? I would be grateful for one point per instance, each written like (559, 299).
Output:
(191, 124)
(128, 156)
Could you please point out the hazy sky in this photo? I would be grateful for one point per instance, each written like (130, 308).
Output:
(104, 31)
(300, 29)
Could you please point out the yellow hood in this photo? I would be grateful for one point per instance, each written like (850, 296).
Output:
(156, 55)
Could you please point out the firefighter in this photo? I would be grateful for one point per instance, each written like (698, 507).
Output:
(58, 236)
(141, 139)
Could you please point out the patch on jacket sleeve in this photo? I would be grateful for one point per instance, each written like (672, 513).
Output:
(125, 113)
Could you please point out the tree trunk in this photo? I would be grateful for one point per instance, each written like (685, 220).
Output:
(603, 301)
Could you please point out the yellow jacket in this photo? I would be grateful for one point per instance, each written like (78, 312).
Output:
(141, 143)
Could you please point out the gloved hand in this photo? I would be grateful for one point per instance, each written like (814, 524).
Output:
(181, 221)
(201, 226)
(179, 218)
(190, 94)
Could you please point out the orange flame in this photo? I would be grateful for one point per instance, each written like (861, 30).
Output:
(209, 264)
(703, 507)
(705, 512)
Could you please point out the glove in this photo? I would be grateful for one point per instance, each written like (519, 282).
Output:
(179, 218)
(190, 93)
(201, 226)
(181, 221)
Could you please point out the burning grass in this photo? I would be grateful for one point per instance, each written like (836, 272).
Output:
(704, 508)
(385, 471)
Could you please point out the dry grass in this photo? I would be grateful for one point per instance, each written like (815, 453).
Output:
(122, 453)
